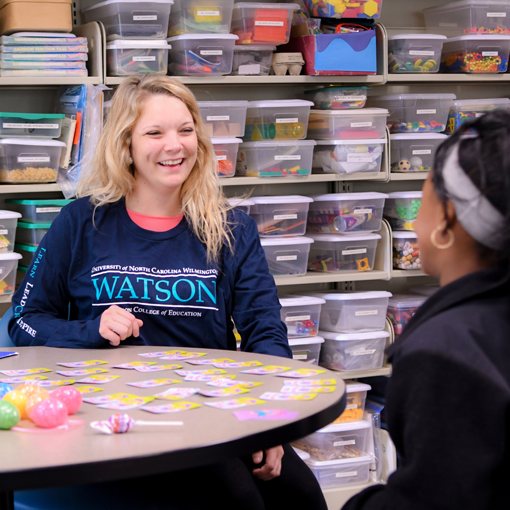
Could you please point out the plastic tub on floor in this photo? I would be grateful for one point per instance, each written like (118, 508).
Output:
(401, 307)
(287, 256)
(262, 23)
(125, 58)
(8, 224)
(201, 54)
(280, 215)
(33, 125)
(31, 233)
(414, 152)
(362, 124)
(338, 98)
(401, 209)
(470, 109)
(226, 155)
(335, 253)
(223, 118)
(356, 397)
(351, 312)
(415, 53)
(354, 351)
(38, 210)
(345, 213)
(301, 315)
(348, 156)
(200, 17)
(275, 159)
(284, 119)
(8, 267)
(306, 349)
(406, 251)
(252, 59)
(131, 19)
(244, 204)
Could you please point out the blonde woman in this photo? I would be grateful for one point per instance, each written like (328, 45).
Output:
(151, 254)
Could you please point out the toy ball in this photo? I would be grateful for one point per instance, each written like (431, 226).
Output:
(49, 413)
(34, 399)
(416, 161)
(70, 396)
(9, 415)
(18, 399)
(5, 388)
(404, 165)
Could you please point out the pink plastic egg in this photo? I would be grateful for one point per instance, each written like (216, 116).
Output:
(49, 413)
(70, 396)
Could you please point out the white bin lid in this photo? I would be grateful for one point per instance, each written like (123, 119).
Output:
(279, 103)
(333, 197)
(260, 5)
(120, 44)
(224, 140)
(289, 300)
(416, 36)
(348, 337)
(406, 194)
(497, 102)
(364, 459)
(286, 199)
(402, 97)
(352, 142)
(10, 256)
(466, 3)
(353, 296)
(202, 37)
(353, 386)
(33, 142)
(306, 341)
(285, 241)
(112, 2)
(222, 104)
(253, 47)
(339, 238)
(7, 215)
(234, 202)
(344, 427)
(404, 235)
(281, 143)
(405, 301)
(492, 38)
(418, 136)
(301, 454)
(348, 113)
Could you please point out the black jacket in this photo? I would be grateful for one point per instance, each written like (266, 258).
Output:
(448, 402)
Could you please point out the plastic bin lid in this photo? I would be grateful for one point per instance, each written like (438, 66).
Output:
(286, 199)
(293, 342)
(405, 194)
(44, 201)
(281, 143)
(354, 386)
(402, 97)
(478, 38)
(405, 301)
(301, 454)
(323, 89)
(466, 3)
(25, 247)
(277, 103)
(347, 337)
(32, 141)
(223, 104)
(344, 427)
(405, 235)
(111, 2)
(353, 142)
(330, 197)
(260, 5)
(281, 241)
(10, 256)
(253, 47)
(29, 224)
(8, 215)
(234, 202)
(416, 36)
(33, 116)
(201, 37)
(353, 296)
(339, 238)
(348, 113)
(288, 300)
(42, 34)
(497, 102)
(120, 44)
(418, 136)
(364, 459)
(224, 140)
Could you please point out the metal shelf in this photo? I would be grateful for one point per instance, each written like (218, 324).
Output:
(448, 78)
(406, 273)
(44, 81)
(309, 278)
(411, 176)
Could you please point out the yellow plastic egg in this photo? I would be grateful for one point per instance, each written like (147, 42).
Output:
(17, 398)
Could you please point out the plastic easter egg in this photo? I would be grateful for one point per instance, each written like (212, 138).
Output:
(70, 396)
(9, 415)
(49, 413)
(34, 399)
(18, 399)
(28, 389)
(5, 388)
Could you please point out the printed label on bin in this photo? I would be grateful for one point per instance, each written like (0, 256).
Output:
(34, 159)
(269, 23)
(286, 257)
(490, 53)
(429, 111)
(148, 17)
(344, 443)
(19, 125)
(287, 121)
(361, 313)
(217, 117)
(358, 210)
(360, 158)
(496, 14)
(144, 58)
(285, 217)
(349, 98)
(47, 209)
(299, 356)
(249, 69)
(288, 157)
(357, 251)
(351, 406)
(363, 352)
(361, 124)
(4, 232)
(298, 318)
(221, 157)
(208, 13)
(345, 474)
(211, 52)
(422, 52)
(422, 151)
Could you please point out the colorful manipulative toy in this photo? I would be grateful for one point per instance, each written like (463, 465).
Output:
(406, 254)
(69, 396)
(9, 415)
(473, 62)
(122, 423)
(49, 413)
(402, 214)
(425, 126)
(410, 65)
(344, 8)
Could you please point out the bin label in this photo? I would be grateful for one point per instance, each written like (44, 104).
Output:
(19, 125)
(269, 23)
(4, 232)
(144, 58)
(344, 443)
(297, 318)
(249, 69)
(490, 53)
(280, 258)
(288, 157)
(358, 251)
(345, 474)
(285, 217)
(362, 211)
(48, 209)
(360, 158)
(221, 157)
(33, 159)
(300, 356)
(361, 124)
(211, 118)
(147, 17)
(361, 313)
(211, 52)
(422, 151)
(363, 352)
(349, 98)
(429, 111)
(287, 121)
(496, 14)
(424, 53)
(208, 13)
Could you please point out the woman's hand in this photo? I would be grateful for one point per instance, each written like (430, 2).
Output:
(118, 324)
(273, 466)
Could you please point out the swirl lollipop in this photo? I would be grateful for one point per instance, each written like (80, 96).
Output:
(122, 423)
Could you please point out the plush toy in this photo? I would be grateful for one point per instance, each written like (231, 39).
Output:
(404, 165)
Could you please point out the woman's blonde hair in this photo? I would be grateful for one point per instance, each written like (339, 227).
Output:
(111, 175)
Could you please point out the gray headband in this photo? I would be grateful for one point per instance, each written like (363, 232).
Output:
(476, 214)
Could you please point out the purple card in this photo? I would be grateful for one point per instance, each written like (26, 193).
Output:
(265, 414)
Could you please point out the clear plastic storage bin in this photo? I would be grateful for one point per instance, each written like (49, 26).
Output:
(476, 54)
(287, 256)
(244, 204)
(301, 315)
(344, 213)
(338, 98)
(469, 17)
(284, 119)
(252, 59)
(354, 351)
(31, 233)
(226, 155)
(406, 251)
(335, 9)
(201, 54)
(340, 473)
(262, 23)
(131, 19)
(470, 109)
(200, 17)
(8, 224)
(8, 268)
(415, 53)
(36, 125)
(414, 152)
(223, 118)
(125, 58)
(401, 209)
(334, 442)
(29, 160)
(356, 397)
(38, 211)
(401, 307)
(334, 253)
(348, 156)
(275, 159)
(280, 215)
(306, 349)
(362, 124)
(351, 312)
(26, 252)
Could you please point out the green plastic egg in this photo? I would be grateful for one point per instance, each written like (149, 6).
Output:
(9, 415)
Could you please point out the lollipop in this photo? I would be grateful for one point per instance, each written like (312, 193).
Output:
(49, 413)
(9, 415)
(121, 423)
(70, 396)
